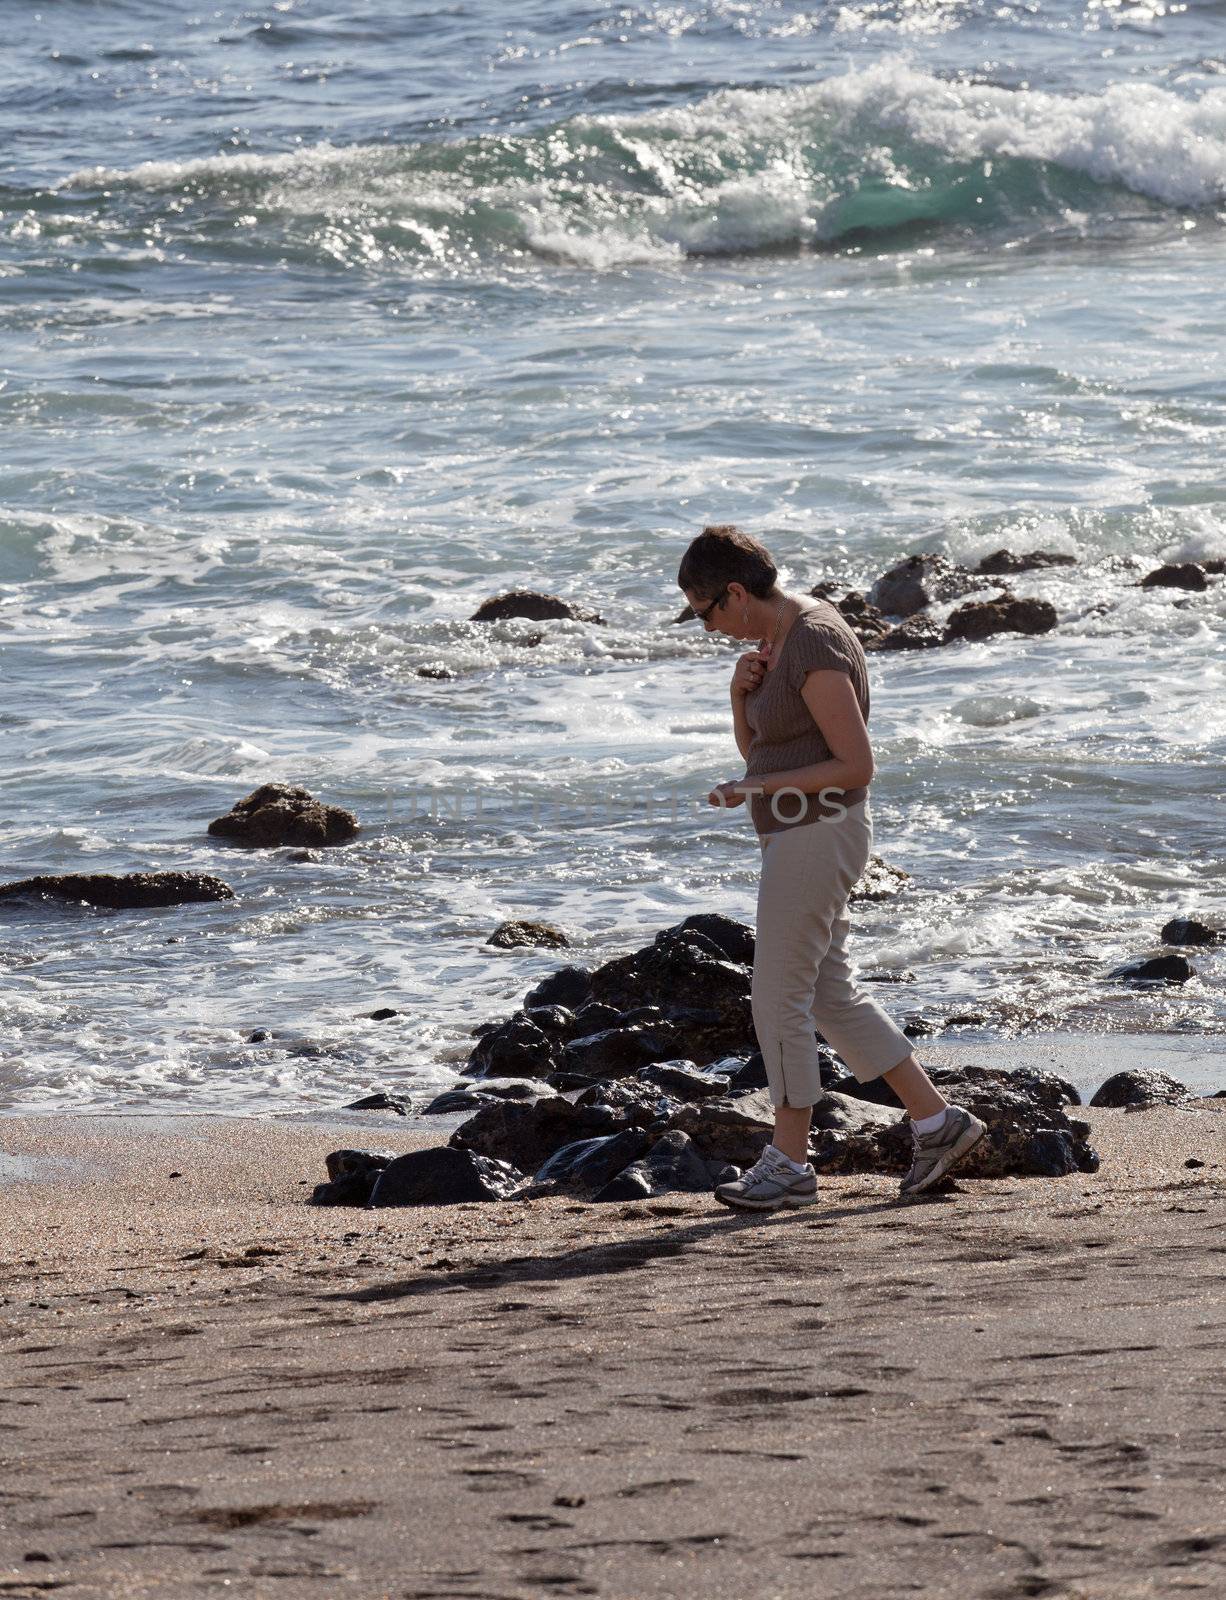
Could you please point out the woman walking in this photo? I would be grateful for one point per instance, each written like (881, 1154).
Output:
(800, 705)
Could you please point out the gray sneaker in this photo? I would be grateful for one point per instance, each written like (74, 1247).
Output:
(769, 1185)
(936, 1152)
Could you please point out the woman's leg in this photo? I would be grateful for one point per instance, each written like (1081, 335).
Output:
(796, 904)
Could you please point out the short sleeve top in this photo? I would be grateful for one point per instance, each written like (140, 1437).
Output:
(784, 734)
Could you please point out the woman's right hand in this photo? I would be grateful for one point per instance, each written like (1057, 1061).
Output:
(747, 674)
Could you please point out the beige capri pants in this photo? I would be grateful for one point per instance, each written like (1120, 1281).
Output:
(801, 976)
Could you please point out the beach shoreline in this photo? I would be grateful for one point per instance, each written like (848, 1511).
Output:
(213, 1385)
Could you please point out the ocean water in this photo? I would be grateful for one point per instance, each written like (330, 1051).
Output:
(321, 324)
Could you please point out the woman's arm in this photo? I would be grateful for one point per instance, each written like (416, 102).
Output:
(831, 699)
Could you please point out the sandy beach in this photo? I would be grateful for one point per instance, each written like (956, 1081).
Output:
(1014, 1390)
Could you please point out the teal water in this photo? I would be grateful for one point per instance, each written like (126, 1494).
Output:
(321, 325)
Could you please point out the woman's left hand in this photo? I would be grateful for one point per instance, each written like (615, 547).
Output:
(726, 794)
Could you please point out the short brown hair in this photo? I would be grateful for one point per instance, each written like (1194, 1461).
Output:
(722, 554)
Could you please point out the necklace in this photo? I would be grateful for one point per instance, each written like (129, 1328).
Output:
(769, 646)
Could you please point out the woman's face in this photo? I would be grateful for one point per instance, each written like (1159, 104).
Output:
(720, 612)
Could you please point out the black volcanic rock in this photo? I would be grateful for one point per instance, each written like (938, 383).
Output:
(444, 1176)
(279, 813)
(1176, 575)
(981, 619)
(1136, 1088)
(535, 606)
(133, 891)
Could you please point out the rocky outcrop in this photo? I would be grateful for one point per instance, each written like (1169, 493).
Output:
(1002, 562)
(864, 620)
(278, 814)
(1137, 1088)
(916, 582)
(1176, 575)
(1192, 930)
(1154, 969)
(511, 935)
(534, 606)
(133, 891)
(981, 619)
(916, 633)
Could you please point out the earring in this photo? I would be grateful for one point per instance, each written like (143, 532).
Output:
(745, 618)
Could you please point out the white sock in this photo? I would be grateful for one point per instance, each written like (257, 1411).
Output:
(929, 1124)
(796, 1166)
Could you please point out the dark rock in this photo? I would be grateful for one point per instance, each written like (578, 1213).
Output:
(279, 813)
(917, 1026)
(258, 1036)
(751, 1074)
(595, 1017)
(876, 1091)
(916, 633)
(1194, 1161)
(435, 669)
(886, 975)
(516, 1048)
(445, 1175)
(673, 1163)
(536, 607)
(1191, 930)
(568, 986)
(683, 1080)
(878, 881)
(133, 891)
(615, 1052)
(1214, 565)
(980, 619)
(384, 1014)
(351, 1178)
(379, 1101)
(864, 620)
(683, 971)
(734, 940)
(590, 1163)
(1141, 1087)
(1157, 969)
(513, 935)
(915, 582)
(632, 1101)
(528, 1132)
(551, 1019)
(1176, 575)
(727, 1128)
(452, 1100)
(1003, 562)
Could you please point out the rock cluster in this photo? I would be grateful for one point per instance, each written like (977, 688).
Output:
(630, 1139)
(280, 814)
(512, 935)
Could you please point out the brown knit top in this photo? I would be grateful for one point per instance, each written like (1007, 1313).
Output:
(784, 732)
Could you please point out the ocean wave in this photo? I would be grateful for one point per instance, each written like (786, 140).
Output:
(881, 153)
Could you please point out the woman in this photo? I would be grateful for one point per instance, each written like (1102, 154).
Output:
(800, 702)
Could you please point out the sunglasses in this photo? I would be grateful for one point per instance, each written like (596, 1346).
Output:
(707, 610)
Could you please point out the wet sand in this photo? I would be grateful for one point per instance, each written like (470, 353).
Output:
(1015, 1390)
